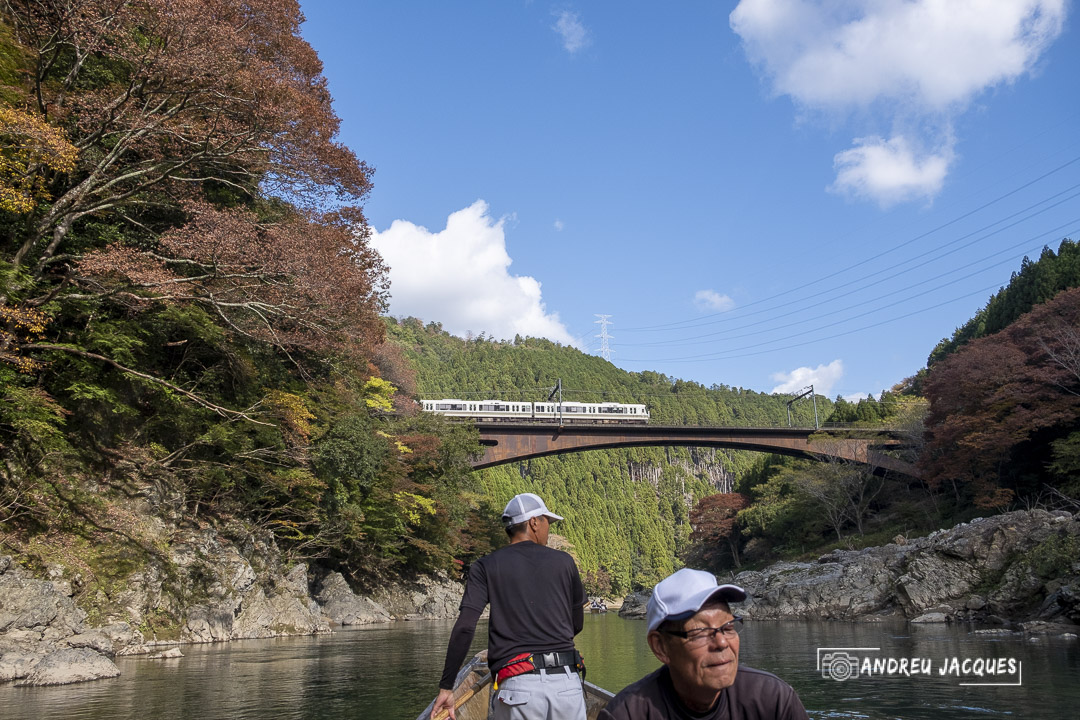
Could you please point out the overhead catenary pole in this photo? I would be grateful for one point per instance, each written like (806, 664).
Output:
(806, 391)
(557, 390)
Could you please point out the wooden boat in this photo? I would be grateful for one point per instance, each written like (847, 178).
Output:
(472, 694)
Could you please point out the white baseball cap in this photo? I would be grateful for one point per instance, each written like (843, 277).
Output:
(525, 506)
(680, 595)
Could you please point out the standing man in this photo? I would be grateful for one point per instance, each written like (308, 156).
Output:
(694, 634)
(537, 607)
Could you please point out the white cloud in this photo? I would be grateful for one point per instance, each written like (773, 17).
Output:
(459, 276)
(570, 28)
(909, 60)
(889, 171)
(712, 300)
(559, 225)
(823, 378)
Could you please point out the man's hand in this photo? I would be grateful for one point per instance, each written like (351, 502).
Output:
(445, 701)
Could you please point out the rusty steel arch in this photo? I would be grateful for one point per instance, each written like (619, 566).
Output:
(511, 442)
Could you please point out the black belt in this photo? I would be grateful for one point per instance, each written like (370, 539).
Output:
(544, 661)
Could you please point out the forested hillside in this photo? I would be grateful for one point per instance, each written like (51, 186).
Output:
(1004, 422)
(1034, 283)
(190, 332)
(1004, 425)
(191, 339)
(189, 310)
(998, 428)
(626, 511)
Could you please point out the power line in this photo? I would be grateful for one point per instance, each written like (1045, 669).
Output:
(721, 356)
(725, 334)
(894, 275)
(693, 322)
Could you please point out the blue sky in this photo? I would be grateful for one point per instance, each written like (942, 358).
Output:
(762, 194)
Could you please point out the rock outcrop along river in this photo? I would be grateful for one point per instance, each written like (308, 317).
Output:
(209, 589)
(1017, 568)
(1020, 568)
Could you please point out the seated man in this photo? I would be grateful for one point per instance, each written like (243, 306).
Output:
(693, 632)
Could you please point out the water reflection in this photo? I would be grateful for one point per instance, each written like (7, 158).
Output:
(390, 672)
(1049, 682)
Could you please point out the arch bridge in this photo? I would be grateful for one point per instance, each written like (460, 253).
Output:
(506, 442)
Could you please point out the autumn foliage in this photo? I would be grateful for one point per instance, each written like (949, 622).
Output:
(300, 282)
(187, 150)
(715, 525)
(175, 121)
(188, 299)
(29, 149)
(1005, 408)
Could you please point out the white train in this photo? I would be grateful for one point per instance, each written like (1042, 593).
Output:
(569, 412)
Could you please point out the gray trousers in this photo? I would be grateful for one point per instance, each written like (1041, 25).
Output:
(554, 694)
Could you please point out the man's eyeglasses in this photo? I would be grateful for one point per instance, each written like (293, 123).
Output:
(700, 636)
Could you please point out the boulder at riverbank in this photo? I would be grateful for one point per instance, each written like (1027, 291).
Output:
(421, 597)
(341, 606)
(44, 639)
(633, 605)
(1018, 567)
(210, 587)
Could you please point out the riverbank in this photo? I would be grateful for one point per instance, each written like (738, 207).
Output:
(1018, 570)
(210, 587)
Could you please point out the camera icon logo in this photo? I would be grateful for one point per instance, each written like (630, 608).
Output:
(839, 666)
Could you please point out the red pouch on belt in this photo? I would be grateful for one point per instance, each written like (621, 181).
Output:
(518, 665)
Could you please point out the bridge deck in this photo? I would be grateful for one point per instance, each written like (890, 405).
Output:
(509, 442)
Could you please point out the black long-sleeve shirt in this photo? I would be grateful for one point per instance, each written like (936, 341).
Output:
(537, 605)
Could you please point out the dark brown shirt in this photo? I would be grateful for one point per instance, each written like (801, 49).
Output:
(755, 695)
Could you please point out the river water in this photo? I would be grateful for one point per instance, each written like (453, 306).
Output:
(390, 672)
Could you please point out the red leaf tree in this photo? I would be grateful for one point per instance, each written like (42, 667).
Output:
(206, 145)
(997, 404)
(715, 525)
(162, 95)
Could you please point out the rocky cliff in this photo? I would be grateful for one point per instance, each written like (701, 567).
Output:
(1019, 567)
(207, 587)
